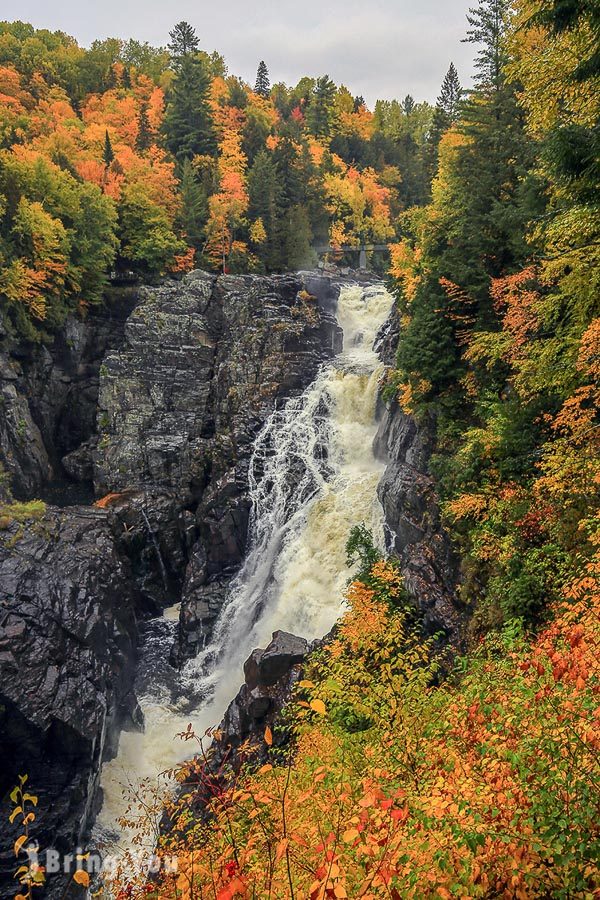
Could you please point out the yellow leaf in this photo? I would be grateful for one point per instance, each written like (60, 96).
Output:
(81, 877)
(318, 706)
(305, 684)
(16, 811)
(350, 835)
(268, 737)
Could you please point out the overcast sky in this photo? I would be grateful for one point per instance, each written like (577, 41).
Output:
(379, 48)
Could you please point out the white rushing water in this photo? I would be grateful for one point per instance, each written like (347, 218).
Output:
(312, 477)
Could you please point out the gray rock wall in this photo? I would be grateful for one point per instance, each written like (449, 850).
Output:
(407, 494)
(67, 655)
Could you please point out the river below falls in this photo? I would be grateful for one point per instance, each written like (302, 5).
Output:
(313, 476)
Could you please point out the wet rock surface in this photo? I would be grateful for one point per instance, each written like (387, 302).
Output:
(415, 533)
(269, 676)
(67, 656)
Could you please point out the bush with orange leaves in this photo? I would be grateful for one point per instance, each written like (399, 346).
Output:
(398, 787)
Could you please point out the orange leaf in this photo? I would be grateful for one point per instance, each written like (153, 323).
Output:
(268, 737)
(81, 877)
(19, 843)
(318, 706)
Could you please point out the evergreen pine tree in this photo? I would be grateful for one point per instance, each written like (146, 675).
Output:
(194, 206)
(188, 124)
(320, 111)
(488, 26)
(427, 348)
(266, 203)
(299, 253)
(486, 215)
(108, 153)
(445, 115)
(143, 139)
(254, 135)
(450, 95)
(263, 83)
(184, 42)
(408, 104)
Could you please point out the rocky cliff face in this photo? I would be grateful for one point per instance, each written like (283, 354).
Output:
(415, 533)
(202, 364)
(158, 403)
(49, 397)
(67, 653)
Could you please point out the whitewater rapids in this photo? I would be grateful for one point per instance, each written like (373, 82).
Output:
(312, 477)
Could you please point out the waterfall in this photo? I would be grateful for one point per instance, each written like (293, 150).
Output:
(312, 477)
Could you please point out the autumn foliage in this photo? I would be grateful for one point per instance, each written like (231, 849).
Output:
(130, 161)
(397, 786)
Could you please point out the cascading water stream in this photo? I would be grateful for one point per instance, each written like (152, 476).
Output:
(312, 477)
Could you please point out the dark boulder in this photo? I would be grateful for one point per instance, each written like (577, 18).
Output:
(284, 651)
(269, 676)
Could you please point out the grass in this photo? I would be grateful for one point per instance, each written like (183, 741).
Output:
(21, 512)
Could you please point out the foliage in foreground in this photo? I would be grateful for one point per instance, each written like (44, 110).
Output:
(397, 787)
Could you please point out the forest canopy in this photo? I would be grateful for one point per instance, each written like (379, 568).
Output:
(140, 161)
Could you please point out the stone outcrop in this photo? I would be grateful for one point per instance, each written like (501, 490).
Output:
(269, 676)
(407, 494)
(67, 654)
(49, 396)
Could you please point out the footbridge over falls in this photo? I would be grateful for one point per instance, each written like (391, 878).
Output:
(361, 249)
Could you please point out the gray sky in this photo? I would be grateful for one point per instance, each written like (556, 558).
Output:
(384, 48)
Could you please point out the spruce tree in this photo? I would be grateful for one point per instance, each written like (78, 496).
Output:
(108, 153)
(487, 217)
(266, 203)
(194, 206)
(320, 111)
(487, 29)
(445, 115)
(188, 124)
(143, 140)
(299, 253)
(184, 42)
(263, 83)
(408, 104)
(450, 95)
